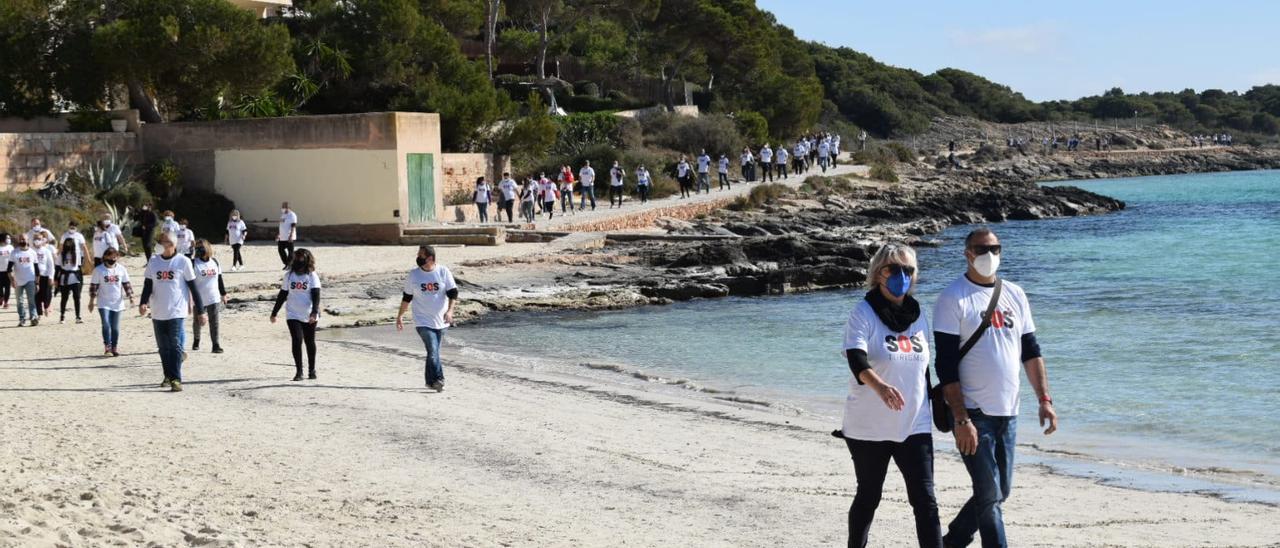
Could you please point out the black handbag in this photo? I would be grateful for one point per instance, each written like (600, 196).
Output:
(943, 419)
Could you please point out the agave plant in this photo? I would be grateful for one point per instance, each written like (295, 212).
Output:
(119, 216)
(56, 188)
(105, 174)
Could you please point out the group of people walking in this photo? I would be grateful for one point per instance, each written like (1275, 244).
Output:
(36, 265)
(983, 334)
(538, 195)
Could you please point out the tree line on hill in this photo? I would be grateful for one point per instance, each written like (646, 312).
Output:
(207, 59)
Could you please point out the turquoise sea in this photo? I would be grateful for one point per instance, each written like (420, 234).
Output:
(1160, 325)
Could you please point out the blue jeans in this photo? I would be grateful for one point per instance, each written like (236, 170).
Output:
(110, 326)
(27, 305)
(432, 338)
(588, 192)
(169, 344)
(483, 209)
(991, 470)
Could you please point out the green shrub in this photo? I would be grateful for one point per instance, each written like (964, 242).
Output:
(716, 133)
(163, 179)
(760, 196)
(18, 208)
(1155, 146)
(129, 195)
(900, 151)
(821, 185)
(460, 196)
(883, 171)
(89, 121)
(752, 126)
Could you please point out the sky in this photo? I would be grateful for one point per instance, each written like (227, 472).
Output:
(1057, 50)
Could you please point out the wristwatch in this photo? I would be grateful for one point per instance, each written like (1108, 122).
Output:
(963, 422)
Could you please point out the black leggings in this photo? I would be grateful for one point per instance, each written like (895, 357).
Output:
(286, 251)
(44, 294)
(74, 291)
(914, 457)
(236, 259)
(4, 287)
(300, 332)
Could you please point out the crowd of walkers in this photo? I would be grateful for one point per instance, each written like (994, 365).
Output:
(183, 280)
(538, 195)
(1217, 139)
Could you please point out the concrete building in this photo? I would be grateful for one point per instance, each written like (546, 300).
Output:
(357, 178)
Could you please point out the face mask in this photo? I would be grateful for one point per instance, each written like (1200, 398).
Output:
(236, 218)
(167, 219)
(898, 284)
(109, 262)
(986, 264)
(421, 261)
(283, 211)
(199, 251)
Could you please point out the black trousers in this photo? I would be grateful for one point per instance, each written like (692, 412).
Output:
(44, 294)
(148, 242)
(4, 287)
(286, 251)
(237, 259)
(301, 333)
(914, 457)
(69, 290)
(507, 206)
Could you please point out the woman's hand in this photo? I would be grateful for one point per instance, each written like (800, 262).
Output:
(891, 397)
(314, 318)
(273, 319)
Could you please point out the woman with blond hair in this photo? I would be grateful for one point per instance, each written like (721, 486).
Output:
(213, 293)
(887, 414)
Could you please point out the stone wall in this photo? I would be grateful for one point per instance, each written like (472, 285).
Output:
(27, 158)
(646, 218)
(461, 170)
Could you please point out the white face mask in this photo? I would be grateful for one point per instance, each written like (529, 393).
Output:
(986, 264)
(167, 219)
(283, 211)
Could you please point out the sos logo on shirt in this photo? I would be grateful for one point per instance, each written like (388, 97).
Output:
(209, 273)
(112, 279)
(1002, 319)
(431, 287)
(904, 344)
(164, 275)
(299, 286)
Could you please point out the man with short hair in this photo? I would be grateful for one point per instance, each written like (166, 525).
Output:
(286, 233)
(38, 231)
(73, 233)
(766, 162)
(723, 173)
(107, 235)
(587, 179)
(704, 173)
(981, 385)
(24, 271)
(781, 165)
(146, 230)
(432, 292)
(509, 191)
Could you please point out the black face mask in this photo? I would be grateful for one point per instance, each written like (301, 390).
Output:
(200, 252)
(421, 261)
(109, 262)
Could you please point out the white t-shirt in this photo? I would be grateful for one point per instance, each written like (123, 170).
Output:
(704, 164)
(80, 245)
(169, 297)
(616, 176)
(24, 266)
(106, 239)
(642, 177)
(782, 156)
(207, 281)
(746, 158)
(724, 165)
(236, 231)
(38, 232)
(901, 360)
(682, 169)
(508, 188)
(44, 255)
(286, 232)
(766, 155)
(824, 149)
(482, 193)
(299, 286)
(566, 188)
(989, 375)
(531, 192)
(548, 190)
(71, 265)
(5, 251)
(430, 299)
(587, 176)
(185, 239)
(110, 282)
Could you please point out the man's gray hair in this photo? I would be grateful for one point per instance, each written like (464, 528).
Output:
(887, 255)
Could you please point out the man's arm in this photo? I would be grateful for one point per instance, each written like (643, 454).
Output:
(1039, 380)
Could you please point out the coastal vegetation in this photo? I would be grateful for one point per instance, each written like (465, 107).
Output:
(477, 63)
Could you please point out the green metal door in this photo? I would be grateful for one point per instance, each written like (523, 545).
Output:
(422, 188)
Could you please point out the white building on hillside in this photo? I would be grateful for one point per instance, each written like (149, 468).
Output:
(264, 8)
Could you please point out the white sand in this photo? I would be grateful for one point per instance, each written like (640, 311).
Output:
(93, 453)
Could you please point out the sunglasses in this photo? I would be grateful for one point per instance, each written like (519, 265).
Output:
(984, 249)
(897, 269)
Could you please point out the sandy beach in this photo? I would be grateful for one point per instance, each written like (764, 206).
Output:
(95, 454)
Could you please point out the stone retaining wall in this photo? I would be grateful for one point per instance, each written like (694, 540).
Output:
(647, 217)
(27, 158)
(461, 170)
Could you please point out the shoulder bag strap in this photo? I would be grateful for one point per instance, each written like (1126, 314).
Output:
(986, 321)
